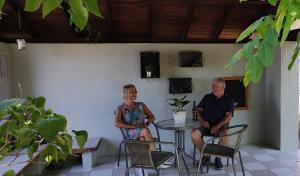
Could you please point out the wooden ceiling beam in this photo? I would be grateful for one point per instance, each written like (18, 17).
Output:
(222, 23)
(110, 18)
(189, 16)
(150, 19)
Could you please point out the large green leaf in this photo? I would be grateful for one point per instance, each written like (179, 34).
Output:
(78, 13)
(280, 20)
(1, 4)
(272, 2)
(295, 6)
(281, 6)
(50, 127)
(26, 136)
(81, 137)
(49, 6)
(65, 143)
(237, 56)
(286, 28)
(10, 172)
(92, 6)
(7, 103)
(249, 30)
(32, 5)
(32, 149)
(35, 115)
(39, 102)
(50, 153)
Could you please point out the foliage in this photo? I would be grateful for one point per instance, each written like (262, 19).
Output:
(270, 30)
(149, 68)
(178, 103)
(78, 9)
(27, 124)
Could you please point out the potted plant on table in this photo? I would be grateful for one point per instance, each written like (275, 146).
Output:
(179, 113)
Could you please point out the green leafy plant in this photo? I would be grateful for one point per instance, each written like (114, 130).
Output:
(270, 30)
(27, 124)
(77, 9)
(149, 68)
(178, 103)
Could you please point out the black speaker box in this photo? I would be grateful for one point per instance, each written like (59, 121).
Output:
(150, 62)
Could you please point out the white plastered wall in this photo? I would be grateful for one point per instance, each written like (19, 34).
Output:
(84, 82)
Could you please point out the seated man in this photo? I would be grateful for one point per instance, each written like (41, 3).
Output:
(214, 112)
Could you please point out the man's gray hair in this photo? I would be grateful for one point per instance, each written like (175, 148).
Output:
(221, 81)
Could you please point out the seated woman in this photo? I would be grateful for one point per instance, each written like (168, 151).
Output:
(130, 115)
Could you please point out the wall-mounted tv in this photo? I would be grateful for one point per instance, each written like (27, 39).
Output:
(180, 85)
(190, 59)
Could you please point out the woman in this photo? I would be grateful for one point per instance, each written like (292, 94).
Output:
(130, 115)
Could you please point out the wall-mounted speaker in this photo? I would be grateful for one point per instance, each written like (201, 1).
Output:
(150, 67)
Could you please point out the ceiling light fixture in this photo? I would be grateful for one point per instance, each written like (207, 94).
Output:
(20, 41)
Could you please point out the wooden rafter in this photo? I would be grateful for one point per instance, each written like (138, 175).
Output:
(110, 18)
(191, 9)
(223, 21)
(150, 17)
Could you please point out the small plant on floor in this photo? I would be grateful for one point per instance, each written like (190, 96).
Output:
(27, 124)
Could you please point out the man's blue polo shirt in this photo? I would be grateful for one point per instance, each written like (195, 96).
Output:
(214, 109)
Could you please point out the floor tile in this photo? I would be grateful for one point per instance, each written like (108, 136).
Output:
(283, 172)
(264, 157)
(254, 166)
(273, 164)
(241, 174)
(263, 173)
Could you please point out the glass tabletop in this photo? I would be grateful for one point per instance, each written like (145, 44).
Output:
(169, 124)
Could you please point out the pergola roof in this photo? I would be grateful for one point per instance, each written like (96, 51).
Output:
(134, 21)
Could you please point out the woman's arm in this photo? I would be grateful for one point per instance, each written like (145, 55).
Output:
(120, 124)
(149, 115)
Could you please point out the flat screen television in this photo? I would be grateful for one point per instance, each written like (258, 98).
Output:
(190, 59)
(180, 85)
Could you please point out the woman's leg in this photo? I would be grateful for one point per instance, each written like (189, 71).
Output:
(146, 134)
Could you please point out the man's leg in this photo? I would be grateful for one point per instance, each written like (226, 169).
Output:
(223, 141)
(197, 138)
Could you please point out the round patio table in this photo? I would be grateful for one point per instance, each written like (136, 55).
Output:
(179, 129)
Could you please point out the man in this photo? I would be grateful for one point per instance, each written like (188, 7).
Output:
(214, 112)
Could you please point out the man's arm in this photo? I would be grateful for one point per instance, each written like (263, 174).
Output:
(223, 122)
(203, 122)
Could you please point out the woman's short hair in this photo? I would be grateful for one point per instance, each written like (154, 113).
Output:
(221, 81)
(126, 88)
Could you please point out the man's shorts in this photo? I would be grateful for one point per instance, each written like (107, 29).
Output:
(206, 132)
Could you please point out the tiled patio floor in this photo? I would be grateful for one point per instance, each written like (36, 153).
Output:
(258, 161)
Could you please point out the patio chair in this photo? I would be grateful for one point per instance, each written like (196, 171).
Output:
(142, 157)
(194, 153)
(210, 149)
(157, 138)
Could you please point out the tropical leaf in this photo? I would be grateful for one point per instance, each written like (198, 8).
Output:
(272, 2)
(78, 13)
(32, 5)
(10, 172)
(286, 28)
(39, 102)
(237, 56)
(294, 57)
(280, 20)
(1, 4)
(32, 149)
(92, 6)
(26, 136)
(249, 30)
(50, 127)
(81, 137)
(7, 103)
(50, 153)
(49, 6)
